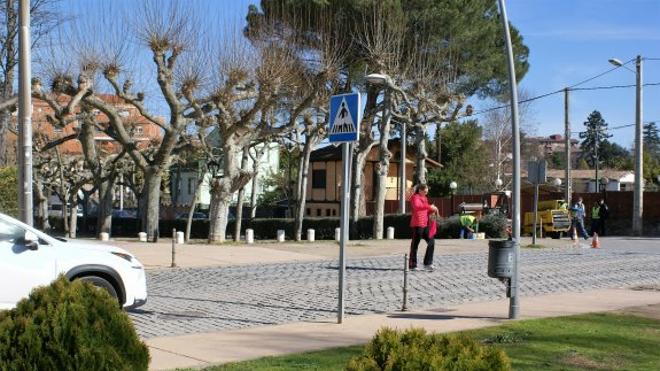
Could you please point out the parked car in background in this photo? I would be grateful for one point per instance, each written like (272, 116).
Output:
(31, 258)
(124, 213)
(197, 215)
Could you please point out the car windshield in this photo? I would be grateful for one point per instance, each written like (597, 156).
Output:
(10, 232)
(10, 226)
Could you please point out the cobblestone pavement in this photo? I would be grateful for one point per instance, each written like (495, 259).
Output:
(194, 300)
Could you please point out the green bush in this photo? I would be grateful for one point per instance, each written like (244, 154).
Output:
(9, 191)
(69, 326)
(414, 349)
(493, 225)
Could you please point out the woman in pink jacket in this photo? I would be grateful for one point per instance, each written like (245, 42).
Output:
(419, 222)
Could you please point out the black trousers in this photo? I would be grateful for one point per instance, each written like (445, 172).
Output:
(419, 233)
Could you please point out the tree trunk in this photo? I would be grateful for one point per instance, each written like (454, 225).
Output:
(253, 195)
(218, 218)
(384, 156)
(104, 220)
(42, 206)
(438, 143)
(193, 204)
(240, 200)
(421, 155)
(151, 194)
(4, 124)
(302, 187)
(73, 223)
(358, 195)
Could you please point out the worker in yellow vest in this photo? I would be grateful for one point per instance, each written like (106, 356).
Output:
(595, 219)
(468, 224)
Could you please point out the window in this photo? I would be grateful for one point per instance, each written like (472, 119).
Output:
(138, 130)
(334, 212)
(309, 212)
(10, 232)
(318, 212)
(327, 212)
(318, 179)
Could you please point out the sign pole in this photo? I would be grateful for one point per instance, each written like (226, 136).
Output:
(344, 121)
(345, 202)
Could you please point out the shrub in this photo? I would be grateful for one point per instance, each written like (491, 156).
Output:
(414, 349)
(9, 191)
(69, 326)
(493, 225)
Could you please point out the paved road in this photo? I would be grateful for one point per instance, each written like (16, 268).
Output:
(194, 300)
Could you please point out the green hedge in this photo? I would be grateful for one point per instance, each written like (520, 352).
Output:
(414, 349)
(69, 326)
(266, 229)
(9, 191)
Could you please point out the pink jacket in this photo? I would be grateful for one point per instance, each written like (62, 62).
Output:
(420, 210)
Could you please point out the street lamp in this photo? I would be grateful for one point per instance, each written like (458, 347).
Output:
(385, 81)
(604, 181)
(453, 185)
(498, 183)
(638, 198)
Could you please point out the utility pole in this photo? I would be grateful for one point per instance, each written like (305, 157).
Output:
(638, 197)
(514, 303)
(596, 161)
(25, 115)
(567, 149)
(402, 170)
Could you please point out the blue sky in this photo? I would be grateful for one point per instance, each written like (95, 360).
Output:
(569, 41)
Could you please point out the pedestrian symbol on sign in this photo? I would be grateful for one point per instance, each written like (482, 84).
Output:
(344, 117)
(343, 121)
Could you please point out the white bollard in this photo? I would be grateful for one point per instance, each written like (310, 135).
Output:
(249, 236)
(280, 235)
(311, 235)
(105, 236)
(390, 233)
(180, 238)
(337, 234)
(142, 236)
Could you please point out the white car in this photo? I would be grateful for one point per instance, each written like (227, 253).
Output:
(30, 258)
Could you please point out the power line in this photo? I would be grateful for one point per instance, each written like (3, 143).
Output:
(623, 126)
(608, 87)
(600, 74)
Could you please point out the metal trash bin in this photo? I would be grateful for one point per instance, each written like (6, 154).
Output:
(500, 258)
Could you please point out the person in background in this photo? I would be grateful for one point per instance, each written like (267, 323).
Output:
(595, 219)
(604, 213)
(419, 222)
(468, 223)
(578, 219)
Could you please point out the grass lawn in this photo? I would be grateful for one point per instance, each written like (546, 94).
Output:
(600, 341)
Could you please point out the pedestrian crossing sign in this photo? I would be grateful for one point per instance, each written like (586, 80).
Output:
(344, 117)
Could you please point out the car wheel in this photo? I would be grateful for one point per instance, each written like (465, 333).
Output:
(103, 284)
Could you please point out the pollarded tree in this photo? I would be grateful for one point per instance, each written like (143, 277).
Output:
(44, 18)
(169, 37)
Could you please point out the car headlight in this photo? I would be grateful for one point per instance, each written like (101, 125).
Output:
(127, 257)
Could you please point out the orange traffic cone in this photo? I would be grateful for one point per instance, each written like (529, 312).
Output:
(594, 242)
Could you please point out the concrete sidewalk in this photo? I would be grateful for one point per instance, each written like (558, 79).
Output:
(201, 350)
(159, 255)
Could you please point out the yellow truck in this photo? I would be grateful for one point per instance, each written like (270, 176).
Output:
(554, 219)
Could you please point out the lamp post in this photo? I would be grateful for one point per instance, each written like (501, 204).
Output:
(498, 184)
(604, 181)
(453, 185)
(25, 115)
(638, 197)
(386, 81)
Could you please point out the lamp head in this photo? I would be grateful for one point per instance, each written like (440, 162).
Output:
(615, 62)
(376, 78)
(453, 185)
